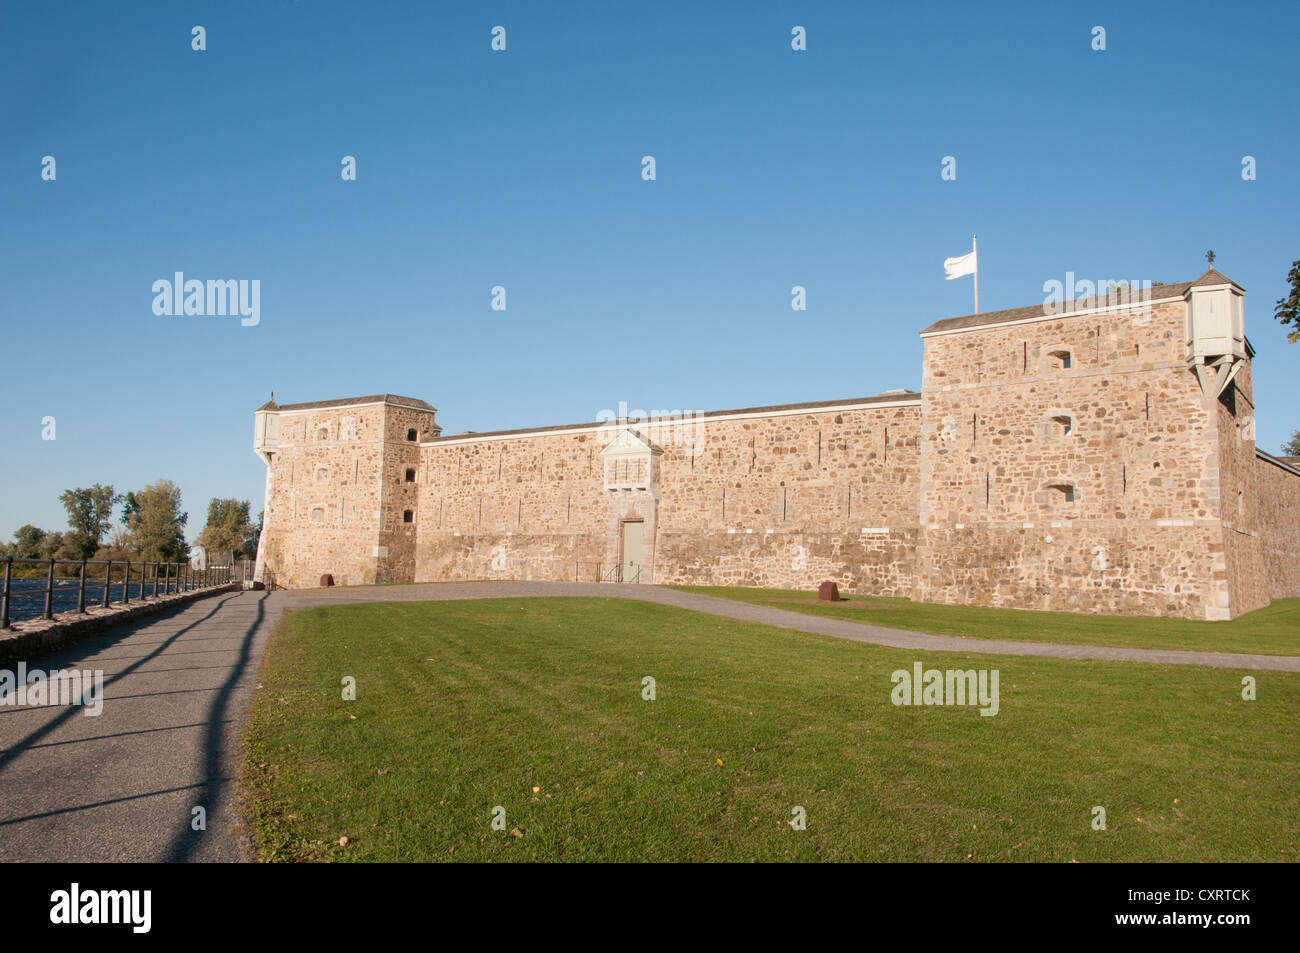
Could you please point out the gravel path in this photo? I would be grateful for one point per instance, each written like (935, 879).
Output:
(784, 619)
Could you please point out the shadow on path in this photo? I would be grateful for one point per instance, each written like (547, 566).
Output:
(8, 755)
(214, 779)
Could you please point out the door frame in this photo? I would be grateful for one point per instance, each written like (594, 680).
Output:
(622, 547)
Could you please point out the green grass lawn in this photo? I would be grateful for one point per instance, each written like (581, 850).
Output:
(464, 706)
(1274, 630)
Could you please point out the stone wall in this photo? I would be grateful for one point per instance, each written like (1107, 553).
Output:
(1245, 583)
(1052, 462)
(779, 499)
(521, 508)
(399, 498)
(1279, 522)
(789, 500)
(1091, 486)
(336, 496)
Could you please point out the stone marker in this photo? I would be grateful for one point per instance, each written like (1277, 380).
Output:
(828, 592)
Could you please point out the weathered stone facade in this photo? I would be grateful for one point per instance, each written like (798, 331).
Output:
(336, 489)
(1101, 459)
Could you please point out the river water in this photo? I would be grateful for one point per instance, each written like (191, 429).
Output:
(27, 596)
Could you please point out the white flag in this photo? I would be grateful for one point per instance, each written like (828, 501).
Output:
(961, 265)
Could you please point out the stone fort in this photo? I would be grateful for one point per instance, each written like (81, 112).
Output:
(1093, 456)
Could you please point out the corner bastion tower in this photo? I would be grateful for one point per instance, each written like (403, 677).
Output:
(338, 497)
(1096, 456)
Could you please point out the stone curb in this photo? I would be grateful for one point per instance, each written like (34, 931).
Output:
(36, 637)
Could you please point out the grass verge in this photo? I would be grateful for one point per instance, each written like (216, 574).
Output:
(536, 706)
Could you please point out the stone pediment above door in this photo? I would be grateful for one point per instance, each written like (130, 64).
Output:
(631, 462)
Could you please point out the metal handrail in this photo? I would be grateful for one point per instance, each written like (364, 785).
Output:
(617, 574)
(186, 579)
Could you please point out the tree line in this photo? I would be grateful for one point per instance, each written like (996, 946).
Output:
(150, 526)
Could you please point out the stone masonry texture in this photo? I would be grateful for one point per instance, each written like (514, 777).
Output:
(1068, 461)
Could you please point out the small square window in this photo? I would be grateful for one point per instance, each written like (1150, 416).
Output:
(412, 436)
(1064, 492)
(408, 516)
(1059, 360)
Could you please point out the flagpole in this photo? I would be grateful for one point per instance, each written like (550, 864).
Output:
(974, 249)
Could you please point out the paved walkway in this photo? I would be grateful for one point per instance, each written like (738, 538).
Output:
(123, 785)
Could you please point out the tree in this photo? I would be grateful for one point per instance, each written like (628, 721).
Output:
(1288, 308)
(90, 514)
(1292, 447)
(28, 540)
(54, 546)
(228, 530)
(157, 525)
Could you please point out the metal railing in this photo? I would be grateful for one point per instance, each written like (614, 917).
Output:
(170, 577)
(616, 575)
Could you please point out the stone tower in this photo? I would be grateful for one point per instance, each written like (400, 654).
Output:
(340, 488)
(1097, 456)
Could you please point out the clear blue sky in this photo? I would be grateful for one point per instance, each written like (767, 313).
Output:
(522, 168)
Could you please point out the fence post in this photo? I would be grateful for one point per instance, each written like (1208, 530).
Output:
(126, 583)
(81, 589)
(4, 596)
(49, 592)
(108, 580)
